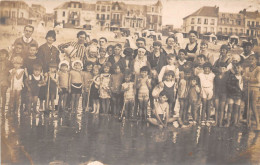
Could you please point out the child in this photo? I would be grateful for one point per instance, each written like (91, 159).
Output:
(33, 83)
(234, 86)
(143, 86)
(171, 59)
(206, 84)
(87, 80)
(128, 59)
(18, 49)
(220, 93)
(194, 98)
(252, 76)
(183, 87)
(201, 59)
(63, 82)
(182, 54)
(31, 59)
(94, 91)
(52, 84)
(5, 66)
(168, 86)
(128, 87)
(102, 59)
(204, 50)
(115, 84)
(104, 89)
(92, 55)
(75, 87)
(16, 76)
(161, 112)
(223, 58)
(140, 61)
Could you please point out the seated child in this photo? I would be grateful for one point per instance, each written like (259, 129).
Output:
(161, 112)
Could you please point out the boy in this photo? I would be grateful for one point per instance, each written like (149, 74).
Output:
(220, 93)
(171, 59)
(18, 48)
(161, 112)
(31, 59)
(234, 87)
(206, 84)
(201, 59)
(87, 81)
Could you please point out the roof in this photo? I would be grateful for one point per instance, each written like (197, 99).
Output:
(64, 5)
(206, 11)
(159, 3)
(252, 15)
(89, 7)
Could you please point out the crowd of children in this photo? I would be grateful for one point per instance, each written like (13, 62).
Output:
(128, 83)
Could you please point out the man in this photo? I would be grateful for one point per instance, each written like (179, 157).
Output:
(247, 50)
(26, 40)
(102, 42)
(77, 49)
(140, 43)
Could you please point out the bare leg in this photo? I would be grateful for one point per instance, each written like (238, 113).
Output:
(254, 109)
(77, 96)
(221, 115)
(73, 102)
(217, 111)
(230, 109)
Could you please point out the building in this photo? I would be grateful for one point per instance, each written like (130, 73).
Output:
(231, 24)
(36, 14)
(14, 12)
(252, 19)
(203, 20)
(110, 16)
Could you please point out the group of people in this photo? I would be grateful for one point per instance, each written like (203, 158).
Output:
(174, 82)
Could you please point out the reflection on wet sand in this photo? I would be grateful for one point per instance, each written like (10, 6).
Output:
(76, 138)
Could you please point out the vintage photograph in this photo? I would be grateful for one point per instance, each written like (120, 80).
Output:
(130, 82)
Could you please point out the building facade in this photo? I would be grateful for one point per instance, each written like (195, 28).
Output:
(110, 16)
(209, 19)
(14, 12)
(203, 21)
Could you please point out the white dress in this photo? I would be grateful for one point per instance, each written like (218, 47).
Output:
(17, 84)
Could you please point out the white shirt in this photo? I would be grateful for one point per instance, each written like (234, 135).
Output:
(206, 80)
(139, 63)
(27, 40)
(165, 69)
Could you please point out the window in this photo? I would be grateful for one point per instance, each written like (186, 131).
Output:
(108, 8)
(232, 22)
(103, 16)
(212, 30)
(192, 20)
(152, 9)
(21, 14)
(192, 27)
(97, 16)
(212, 22)
(199, 20)
(236, 31)
(13, 14)
(238, 22)
(253, 23)
(225, 30)
(199, 29)
(206, 21)
(231, 30)
(98, 8)
(241, 31)
(75, 5)
(103, 9)
(205, 29)
(63, 13)
(248, 23)
(107, 17)
(128, 13)
(257, 24)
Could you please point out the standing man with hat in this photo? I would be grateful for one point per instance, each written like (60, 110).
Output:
(26, 40)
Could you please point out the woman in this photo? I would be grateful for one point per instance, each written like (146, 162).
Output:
(47, 54)
(192, 47)
(157, 57)
(116, 59)
(171, 46)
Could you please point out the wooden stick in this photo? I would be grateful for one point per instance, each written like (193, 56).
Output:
(48, 93)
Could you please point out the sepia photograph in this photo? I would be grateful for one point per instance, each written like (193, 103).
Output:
(130, 82)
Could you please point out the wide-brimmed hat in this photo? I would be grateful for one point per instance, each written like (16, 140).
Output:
(51, 33)
(75, 61)
(64, 62)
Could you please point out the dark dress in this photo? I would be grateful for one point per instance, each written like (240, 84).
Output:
(194, 50)
(232, 85)
(34, 85)
(94, 92)
(157, 62)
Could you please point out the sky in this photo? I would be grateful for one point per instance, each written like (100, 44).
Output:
(173, 10)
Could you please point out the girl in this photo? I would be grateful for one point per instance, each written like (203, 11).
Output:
(87, 80)
(192, 47)
(171, 59)
(144, 87)
(234, 88)
(75, 87)
(223, 58)
(102, 59)
(204, 50)
(104, 89)
(16, 76)
(5, 66)
(94, 92)
(168, 86)
(115, 84)
(33, 83)
(128, 87)
(220, 93)
(171, 46)
(206, 85)
(252, 76)
(52, 84)
(63, 82)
